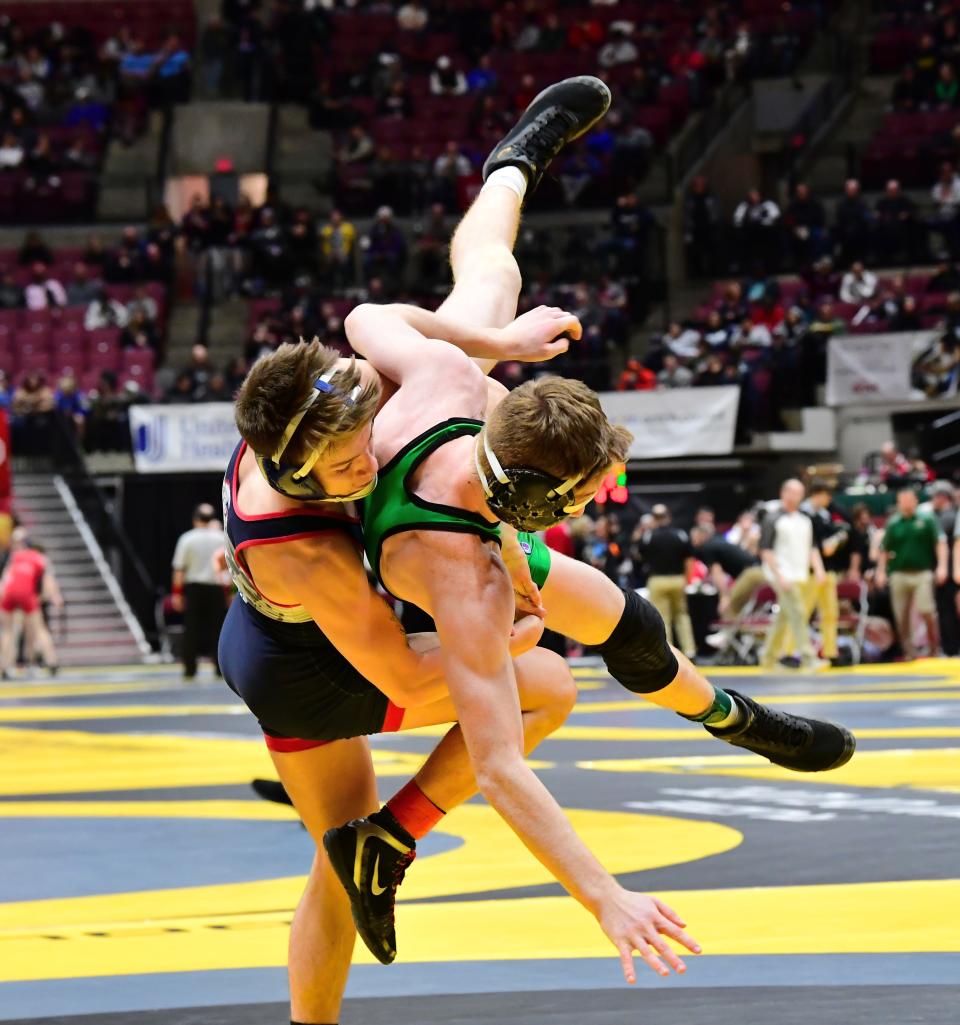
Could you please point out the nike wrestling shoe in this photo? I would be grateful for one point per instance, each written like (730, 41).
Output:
(370, 863)
(804, 745)
(561, 113)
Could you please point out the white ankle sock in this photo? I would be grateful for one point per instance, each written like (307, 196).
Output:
(509, 177)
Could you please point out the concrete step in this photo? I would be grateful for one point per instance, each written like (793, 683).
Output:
(65, 548)
(141, 157)
(118, 656)
(40, 503)
(92, 588)
(830, 169)
(48, 517)
(75, 576)
(83, 637)
(35, 493)
(855, 130)
(126, 201)
(85, 620)
(300, 150)
(128, 173)
(92, 641)
(228, 326)
(87, 595)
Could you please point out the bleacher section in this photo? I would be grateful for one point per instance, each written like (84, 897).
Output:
(54, 340)
(70, 90)
(681, 72)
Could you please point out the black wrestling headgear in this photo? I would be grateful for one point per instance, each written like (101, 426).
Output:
(526, 498)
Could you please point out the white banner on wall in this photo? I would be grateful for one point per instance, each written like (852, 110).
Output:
(872, 368)
(172, 438)
(676, 421)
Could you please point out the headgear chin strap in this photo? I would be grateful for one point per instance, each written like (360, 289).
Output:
(525, 498)
(298, 483)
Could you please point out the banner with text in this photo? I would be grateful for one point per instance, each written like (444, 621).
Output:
(676, 421)
(872, 368)
(174, 438)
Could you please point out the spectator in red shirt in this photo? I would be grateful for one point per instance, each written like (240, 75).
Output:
(636, 377)
(559, 537)
(894, 465)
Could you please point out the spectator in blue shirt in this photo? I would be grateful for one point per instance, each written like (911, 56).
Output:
(483, 78)
(71, 403)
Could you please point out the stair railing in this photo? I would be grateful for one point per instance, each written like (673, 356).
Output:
(138, 587)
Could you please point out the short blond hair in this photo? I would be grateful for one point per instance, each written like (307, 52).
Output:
(557, 426)
(281, 382)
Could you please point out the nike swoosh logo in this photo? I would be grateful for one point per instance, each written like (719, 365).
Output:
(375, 882)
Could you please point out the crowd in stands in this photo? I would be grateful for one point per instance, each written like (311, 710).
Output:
(259, 250)
(770, 336)
(416, 93)
(759, 234)
(722, 562)
(90, 320)
(67, 80)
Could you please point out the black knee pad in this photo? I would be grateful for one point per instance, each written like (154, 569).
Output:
(637, 654)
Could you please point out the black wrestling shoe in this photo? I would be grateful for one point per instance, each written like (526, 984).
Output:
(271, 790)
(804, 745)
(560, 114)
(371, 862)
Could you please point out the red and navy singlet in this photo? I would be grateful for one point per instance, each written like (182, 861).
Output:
(274, 656)
(247, 531)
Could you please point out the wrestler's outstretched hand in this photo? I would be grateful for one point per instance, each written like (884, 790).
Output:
(540, 334)
(636, 922)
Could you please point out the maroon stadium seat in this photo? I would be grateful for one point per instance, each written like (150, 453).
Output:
(103, 356)
(70, 353)
(130, 358)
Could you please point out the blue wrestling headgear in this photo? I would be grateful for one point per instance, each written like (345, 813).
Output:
(527, 499)
(299, 483)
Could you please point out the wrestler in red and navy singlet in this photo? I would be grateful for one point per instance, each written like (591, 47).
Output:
(275, 657)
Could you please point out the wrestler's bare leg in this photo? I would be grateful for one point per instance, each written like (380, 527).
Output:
(586, 605)
(581, 602)
(328, 785)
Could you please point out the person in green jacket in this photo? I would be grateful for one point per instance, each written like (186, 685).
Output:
(913, 556)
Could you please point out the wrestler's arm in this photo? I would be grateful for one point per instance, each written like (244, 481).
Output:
(401, 340)
(472, 602)
(50, 589)
(328, 578)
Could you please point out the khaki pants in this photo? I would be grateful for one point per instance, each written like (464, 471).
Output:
(909, 592)
(744, 588)
(823, 597)
(790, 618)
(668, 595)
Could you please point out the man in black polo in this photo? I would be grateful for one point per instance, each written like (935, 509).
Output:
(669, 556)
(735, 572)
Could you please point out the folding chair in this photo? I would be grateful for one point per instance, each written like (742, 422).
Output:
(853, 624)
(744, 633)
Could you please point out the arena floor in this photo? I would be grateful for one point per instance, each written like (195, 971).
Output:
(141, 881)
